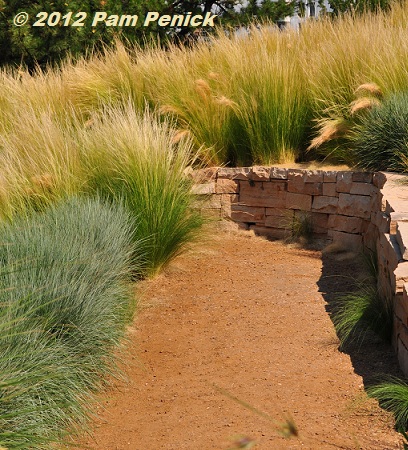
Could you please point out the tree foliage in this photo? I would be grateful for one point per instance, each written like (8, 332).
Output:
(273, 10)
(43, 45)
(31, 46)
(48, 44)
(357, 6)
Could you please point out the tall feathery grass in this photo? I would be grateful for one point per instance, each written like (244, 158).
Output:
(120, 154)
(360, 311)
(39, 160)
(240, 96)
(66, 300)
(380, 141)
(142, 163)
(392, 395)
(364, 309)
(243, 98)
(341, 55)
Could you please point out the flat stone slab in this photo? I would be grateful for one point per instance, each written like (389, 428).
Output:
(402, 238)
(395, 193)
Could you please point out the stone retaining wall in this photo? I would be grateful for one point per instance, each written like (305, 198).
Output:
(393, 263)
(353, 208)
(341, 206)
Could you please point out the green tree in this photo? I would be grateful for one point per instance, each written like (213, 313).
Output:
(41, 45)
(272, 10)
(357, 6)
(32, 45)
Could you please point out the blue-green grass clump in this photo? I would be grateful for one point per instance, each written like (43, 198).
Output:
(381, 140)
(66, 300)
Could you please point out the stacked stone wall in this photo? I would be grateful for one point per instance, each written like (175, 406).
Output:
(269, 200)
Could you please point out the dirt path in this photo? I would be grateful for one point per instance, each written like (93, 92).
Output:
(246, 315)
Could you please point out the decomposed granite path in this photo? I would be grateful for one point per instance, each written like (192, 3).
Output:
(233, 340)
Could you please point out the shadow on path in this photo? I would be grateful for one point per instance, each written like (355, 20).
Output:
(372, 359)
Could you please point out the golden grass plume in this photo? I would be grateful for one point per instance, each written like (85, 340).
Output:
(224, 101)
(363, 104)
(203, 89)
(179, 135)
(329, 129)
(371, 88)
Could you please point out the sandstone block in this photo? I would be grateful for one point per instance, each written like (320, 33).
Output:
(379, 179)
(278, 173)
(229, 199)
(296, 180)
(348, 240)
(401, 349)
(277, 212)
(204, 189)
(226, 186)
(362, 189)
(283, 222)
(259, 173)
(210, 201)
(320, 222)
(329, 190)
(396, 216)
(381, 220)
(329, 176)
(262, 189)
(388, 250)
(234, 173)
(346, 223)
(306, 188)
(314, 176)
(201, 176)
(307, 176)
(324, 204)
(401, 305)
(384, 285)
(402, 238)
(298, 201)
(210, 213)
(226, 201)
(401, 275)
(275, 186)
(243, 213)
(362, 177)
(260, 194)
(344, 181)
(376, 201)
(370, 235)
(355, 205)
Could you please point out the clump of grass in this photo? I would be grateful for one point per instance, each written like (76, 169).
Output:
(299, 226)
(381, 140)
(40, 162)
(392, 395)
(66, 300)
(302, 226)
(141, 162)
(363, 310)
(275, 106)
(184, 86)
(340, 132)
(341, 55)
